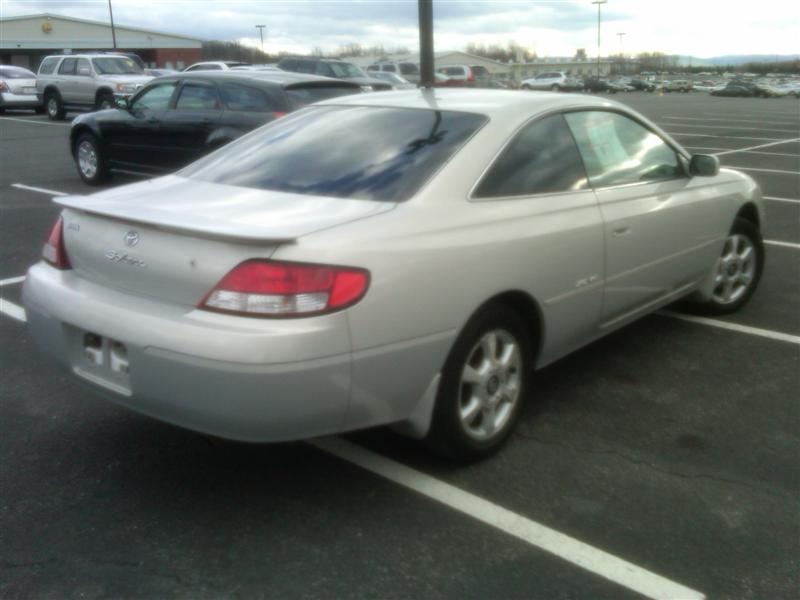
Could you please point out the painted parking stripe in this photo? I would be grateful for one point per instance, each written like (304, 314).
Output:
(35, 122)
(12, 310)
(719, 151)
(730, 120)
(12, 280)
(30, 188)
(578, 553)
(757, 331)
(782, 244)
(729, 137)
(776, 199)
(759, 146)
(728, 127)
(781, 171)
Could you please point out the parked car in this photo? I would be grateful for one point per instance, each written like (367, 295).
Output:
(457, 75)
(735, 90)
(596, 86)
(277, 290)
(678, 85)
(397, 82)
(620, 86)
(159, 72)
(331, 67)
(642, 85)
(216, 65)
(407, 70)
(82, 82)
(18, 89)
(179, 118)
(555, 81)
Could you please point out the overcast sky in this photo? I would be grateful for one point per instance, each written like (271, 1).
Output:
(550, 28)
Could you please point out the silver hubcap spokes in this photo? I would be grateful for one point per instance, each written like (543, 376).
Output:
(87, 159)
(735, 269)
(52, 106)
(490, 385)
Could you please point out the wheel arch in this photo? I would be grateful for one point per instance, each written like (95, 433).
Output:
(103, 91)
(749, 212)
(529, 311)
(51, 89)
(79, 130)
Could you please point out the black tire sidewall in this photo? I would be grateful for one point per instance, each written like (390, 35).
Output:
(59, 114)
(446, 435)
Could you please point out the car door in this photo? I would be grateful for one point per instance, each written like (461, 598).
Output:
(187, 126)
(661, 229)
(84, 86)
(133, 138)
(66, 80)
(538, 185)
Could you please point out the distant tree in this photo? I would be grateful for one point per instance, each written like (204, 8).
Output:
(215, 50)
(580, 54)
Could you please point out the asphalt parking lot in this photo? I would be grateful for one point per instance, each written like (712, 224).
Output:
(662, 461)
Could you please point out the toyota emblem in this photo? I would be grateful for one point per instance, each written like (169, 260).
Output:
(131, 238)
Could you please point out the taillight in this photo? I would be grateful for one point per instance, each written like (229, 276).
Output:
(471, 76)
(278, 114)
(4, 86)
(53, 251)
(262, 288)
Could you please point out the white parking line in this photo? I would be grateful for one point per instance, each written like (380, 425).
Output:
(35, 122)
(720, 151)
(777, 143)
(12, 310)
(30, 188)
(781, 171)
(791, 245)
(730, 137)
(757, 331)
(731, 120)
(12, 280)
(736, 128)
(578, 553)
(776, 199)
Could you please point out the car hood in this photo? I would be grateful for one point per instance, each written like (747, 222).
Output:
(221, 211)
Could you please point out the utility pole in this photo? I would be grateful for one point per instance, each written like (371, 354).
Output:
(621, 56)
(261, 32)
(426, 43)
(599, 4)
(113, 33)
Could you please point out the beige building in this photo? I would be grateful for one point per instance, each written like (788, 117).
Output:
(25, 40)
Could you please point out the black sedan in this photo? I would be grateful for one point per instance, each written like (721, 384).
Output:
(740, 90)
(179, 118)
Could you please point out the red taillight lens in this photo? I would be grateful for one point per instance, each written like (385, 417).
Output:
(53, 251)
(280, 289)
(4, 86)
(278, 114)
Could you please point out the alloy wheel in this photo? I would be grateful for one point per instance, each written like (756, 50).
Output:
(736, 269)
(87, 159)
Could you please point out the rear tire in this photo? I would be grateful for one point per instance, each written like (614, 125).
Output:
(526, 88)
(90, 160)
(555, 88)
(483, 385)
(54, 106)
(736, 273)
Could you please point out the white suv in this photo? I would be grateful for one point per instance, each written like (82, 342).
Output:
(555, 81)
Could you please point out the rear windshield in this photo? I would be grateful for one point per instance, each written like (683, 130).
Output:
(16, 73)
(368, 153)
(301, 96)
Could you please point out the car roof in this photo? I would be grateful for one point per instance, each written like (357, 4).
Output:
(492, 103)
(280, 78)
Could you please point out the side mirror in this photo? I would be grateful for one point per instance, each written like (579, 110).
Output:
(704, 165)
(84, 71)
(123, 103)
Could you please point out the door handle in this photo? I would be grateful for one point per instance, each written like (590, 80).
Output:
(622, 230)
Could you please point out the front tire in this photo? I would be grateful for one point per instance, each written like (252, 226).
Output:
(484, 382)
(737, 270)
(90, 160)
(555, 88)
(54, 106)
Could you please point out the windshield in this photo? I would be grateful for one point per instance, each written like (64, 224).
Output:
(16, 73)
(341, 69)
(116, 65)
(334, 151)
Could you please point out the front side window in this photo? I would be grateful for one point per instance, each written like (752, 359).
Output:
(409, 69)
(333, 151)
(389, 68)
(617, 150)
(48, 65)
(68, 66)
(541, 159)
(197, 97)
(116, 65)
(155, 97)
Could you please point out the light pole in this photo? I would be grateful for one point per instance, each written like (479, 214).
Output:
(113, 33)
(261, 32)
(599, 4)
(621, 57)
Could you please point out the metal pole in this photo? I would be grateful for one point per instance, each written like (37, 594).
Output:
(261, 32)
(426, 43)
(621, 56)
(599, 3)
(113, 33)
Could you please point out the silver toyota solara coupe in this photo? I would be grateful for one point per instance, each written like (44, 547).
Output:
(404, 258)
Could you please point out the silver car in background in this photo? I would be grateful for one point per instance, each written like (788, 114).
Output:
(313, 277)
(18, 89)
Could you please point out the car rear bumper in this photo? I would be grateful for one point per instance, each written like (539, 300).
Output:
(246, 379)
(10, 100)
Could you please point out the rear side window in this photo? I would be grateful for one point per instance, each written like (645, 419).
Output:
(247, 99)
(68, 66)
(541, 159)
(197, 97)
(306, 66)
(48, 65)
(388, 68)
(301, 96)
(155, 97)
(617, 150)
(409, 69)
(334, 151)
